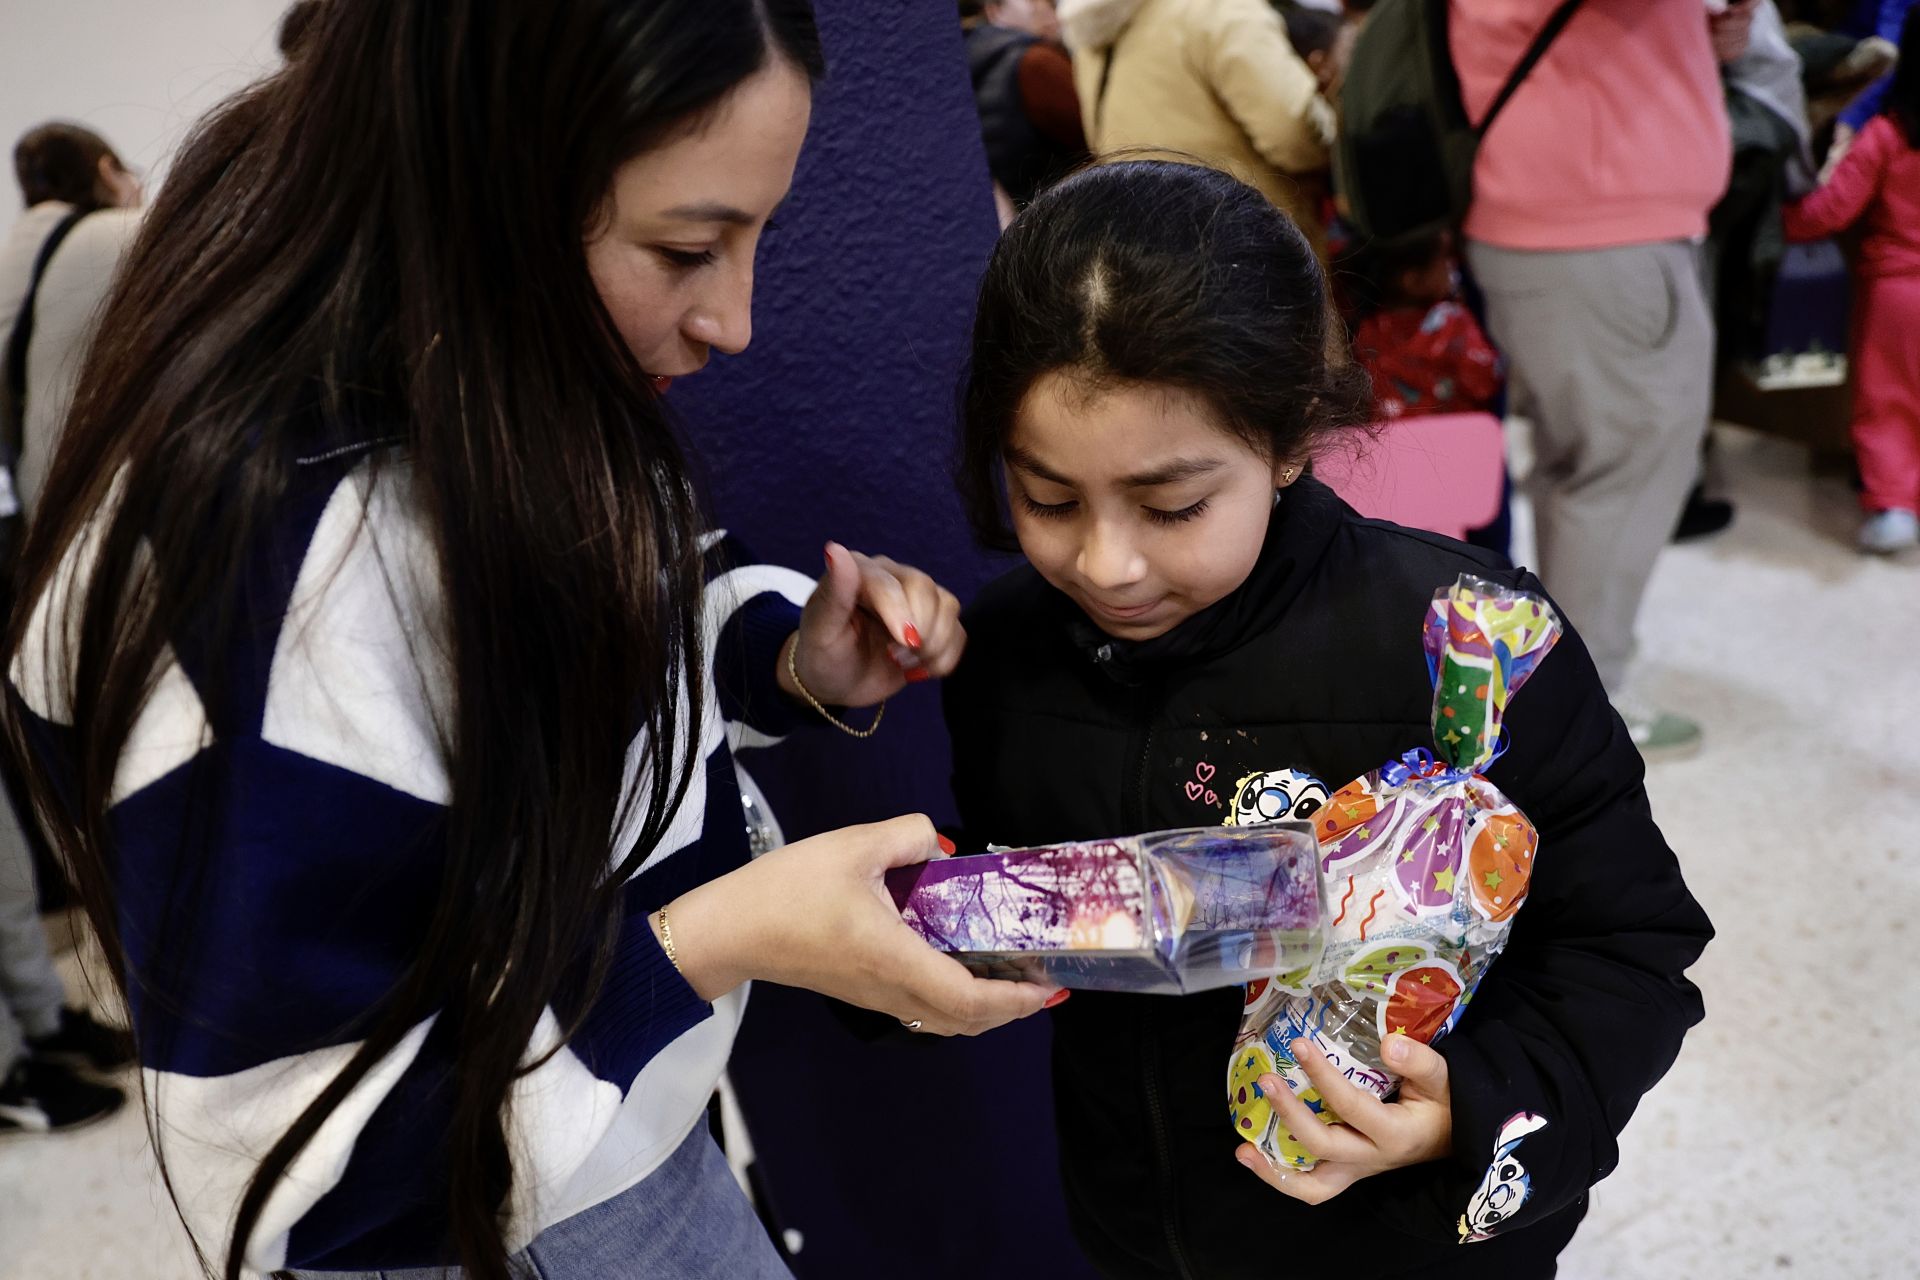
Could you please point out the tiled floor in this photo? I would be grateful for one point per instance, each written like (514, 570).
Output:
(1778, 1146)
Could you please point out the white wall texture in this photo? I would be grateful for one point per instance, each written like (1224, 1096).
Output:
(139, 72)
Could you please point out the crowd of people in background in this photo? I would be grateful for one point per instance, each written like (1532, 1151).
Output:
(1618, 254)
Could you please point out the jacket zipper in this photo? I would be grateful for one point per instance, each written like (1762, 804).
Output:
(1133, 809)
(1162, 1159)
(1136, 811)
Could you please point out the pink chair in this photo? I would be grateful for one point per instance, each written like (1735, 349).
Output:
(1441, 473)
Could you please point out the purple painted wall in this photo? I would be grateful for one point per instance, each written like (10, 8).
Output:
(930, 1159)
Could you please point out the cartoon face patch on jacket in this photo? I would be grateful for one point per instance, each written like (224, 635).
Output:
(1504, 1186)
(1276, 796)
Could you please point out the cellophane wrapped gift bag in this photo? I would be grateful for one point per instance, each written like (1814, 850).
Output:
(1424, 864)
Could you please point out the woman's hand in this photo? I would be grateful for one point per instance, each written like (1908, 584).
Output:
(870, 627)
(817, 914)
(1375, 1136)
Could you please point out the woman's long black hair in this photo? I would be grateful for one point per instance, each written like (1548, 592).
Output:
(1155, 272)
(386, 239)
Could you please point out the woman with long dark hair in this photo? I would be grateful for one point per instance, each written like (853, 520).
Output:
(380, 679)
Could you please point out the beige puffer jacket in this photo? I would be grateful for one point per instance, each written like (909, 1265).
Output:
(1216, 79)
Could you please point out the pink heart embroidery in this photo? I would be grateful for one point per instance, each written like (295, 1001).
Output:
(1204, 772)
(1194, 790)
(1212, 798)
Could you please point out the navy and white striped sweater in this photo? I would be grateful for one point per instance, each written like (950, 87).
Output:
(320, 810)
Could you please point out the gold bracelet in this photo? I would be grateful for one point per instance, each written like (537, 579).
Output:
(666, 942)
(793, 670)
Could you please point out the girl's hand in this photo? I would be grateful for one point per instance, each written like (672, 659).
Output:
(869, 628)
(1375, 1136)
(817, 914)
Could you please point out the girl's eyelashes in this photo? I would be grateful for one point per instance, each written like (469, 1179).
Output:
(685, 259)
(1181, 516)
(1045, 509)
(1055, 510)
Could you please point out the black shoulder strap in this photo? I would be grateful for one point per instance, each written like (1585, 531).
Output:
(1556, 22)
(23, 323)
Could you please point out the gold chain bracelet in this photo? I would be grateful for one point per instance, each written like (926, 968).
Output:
(666, 943)
(793, 670)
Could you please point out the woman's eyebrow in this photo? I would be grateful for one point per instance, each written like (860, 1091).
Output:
(712, 212)
(715, 211)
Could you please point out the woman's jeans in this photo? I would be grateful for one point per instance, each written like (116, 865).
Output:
(687, 1219)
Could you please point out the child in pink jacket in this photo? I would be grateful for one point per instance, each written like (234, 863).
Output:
(1878, 185)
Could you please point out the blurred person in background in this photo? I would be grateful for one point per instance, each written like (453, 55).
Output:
(1023, 87)
(1877, 186)
(1217, 81)
(1876, 24)
(1036, 18)
(1772, 161)
(82, 209)
(55, 264)
(1316, 35)
(47, 1047)
(1423, 349)
(1320, 37)
(1590, 203)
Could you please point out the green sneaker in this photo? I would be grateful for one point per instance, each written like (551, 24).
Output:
(1660, 735)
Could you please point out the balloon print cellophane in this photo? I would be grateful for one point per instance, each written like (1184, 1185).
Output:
(1424, 863)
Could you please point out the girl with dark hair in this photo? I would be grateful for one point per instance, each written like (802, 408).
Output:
(1877, 185)
(382, 684)
(1153, 367)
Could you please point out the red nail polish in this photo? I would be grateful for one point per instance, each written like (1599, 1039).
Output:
(1058, 997)
(946, 845)
(913, 636)
(917, 674)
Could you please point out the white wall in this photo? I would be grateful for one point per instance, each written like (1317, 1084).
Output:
(138, 72)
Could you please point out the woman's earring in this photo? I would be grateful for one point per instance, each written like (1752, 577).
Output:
(1286, 477)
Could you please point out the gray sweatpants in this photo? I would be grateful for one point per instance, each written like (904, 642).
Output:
(30, 990)
(1611, 358)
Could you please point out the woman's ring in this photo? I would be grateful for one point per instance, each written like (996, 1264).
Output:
(915, 1025)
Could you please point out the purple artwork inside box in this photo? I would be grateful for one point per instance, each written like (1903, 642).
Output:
(1074, 897)
(1168, 911)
